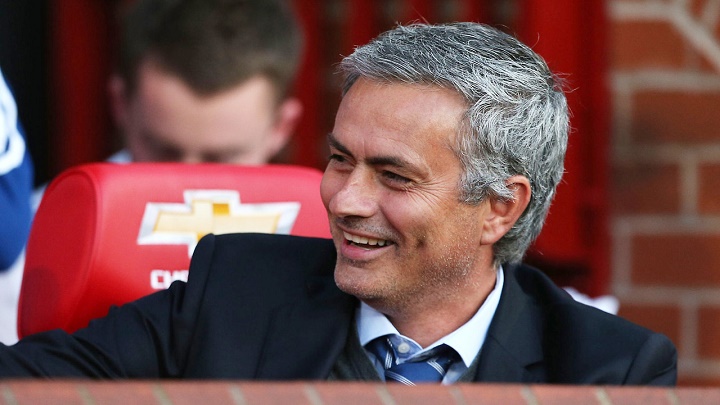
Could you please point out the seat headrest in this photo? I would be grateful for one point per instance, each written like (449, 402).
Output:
(105, 234)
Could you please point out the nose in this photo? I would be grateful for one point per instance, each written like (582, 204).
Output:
(351, 195)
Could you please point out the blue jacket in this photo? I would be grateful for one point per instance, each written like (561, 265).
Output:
(16, 181)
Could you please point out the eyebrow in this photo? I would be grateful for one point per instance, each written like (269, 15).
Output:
(334, 143)
(373, 161)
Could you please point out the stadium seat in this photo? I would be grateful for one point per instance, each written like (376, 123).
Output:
(106, 234)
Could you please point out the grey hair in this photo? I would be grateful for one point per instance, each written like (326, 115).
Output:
(517, 121)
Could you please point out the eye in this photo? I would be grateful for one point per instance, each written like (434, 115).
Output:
(394, 177)
(336, 157)
(339, 162)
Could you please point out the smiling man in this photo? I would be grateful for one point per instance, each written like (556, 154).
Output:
(407, 245)
(445, 155)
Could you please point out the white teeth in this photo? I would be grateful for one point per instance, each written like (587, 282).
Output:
(363, 240)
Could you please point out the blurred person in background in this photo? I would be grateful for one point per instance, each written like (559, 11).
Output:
(16, 181)
(206, 80)
(202, 81)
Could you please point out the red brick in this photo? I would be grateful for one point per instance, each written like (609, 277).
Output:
(709, 332)
(645, 44)
(709, 193)
(204, 392)
(122, 392)
(677, 117)
(47, 393)
(274, 393)
(140, 392)
(645, 188)
(676, 260)
(638, 395)
(696, 7)
(334, 393)
(491, 394)
(565, 395)
(421, 394)
(665, 319)
(698, 396)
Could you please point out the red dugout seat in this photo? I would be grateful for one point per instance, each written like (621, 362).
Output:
(106, 234)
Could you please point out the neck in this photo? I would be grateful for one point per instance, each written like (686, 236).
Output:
(435, 319)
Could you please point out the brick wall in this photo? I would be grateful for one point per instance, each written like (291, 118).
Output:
(665, 160)
(307, 393)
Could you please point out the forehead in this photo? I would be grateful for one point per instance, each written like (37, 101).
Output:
(394, 115)
(169, 109)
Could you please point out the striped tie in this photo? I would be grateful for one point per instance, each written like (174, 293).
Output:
(429, 368)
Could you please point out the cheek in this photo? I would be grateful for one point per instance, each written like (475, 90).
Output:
(431, 226)
(412, 221)
(413, 212)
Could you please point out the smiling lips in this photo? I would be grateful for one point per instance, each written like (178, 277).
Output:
(364, 242)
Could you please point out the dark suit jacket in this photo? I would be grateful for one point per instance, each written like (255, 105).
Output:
(266, 307)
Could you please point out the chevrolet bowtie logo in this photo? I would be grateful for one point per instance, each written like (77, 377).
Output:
(212, 211)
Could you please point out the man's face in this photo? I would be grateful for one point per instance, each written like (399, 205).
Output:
(391, 190)
(164, 120)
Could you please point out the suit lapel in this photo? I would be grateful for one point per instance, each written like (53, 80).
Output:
(304, 339)
(513, 347)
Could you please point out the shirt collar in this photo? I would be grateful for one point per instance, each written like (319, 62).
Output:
(466, 340)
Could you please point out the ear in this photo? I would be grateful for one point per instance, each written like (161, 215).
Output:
(504, 213)
(117, 93)
(288, 116)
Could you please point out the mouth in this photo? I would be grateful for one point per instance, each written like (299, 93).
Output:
(365, 242)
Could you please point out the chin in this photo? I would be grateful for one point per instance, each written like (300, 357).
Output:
(355, 281)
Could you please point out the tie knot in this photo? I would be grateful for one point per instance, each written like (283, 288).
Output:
(431, 366)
